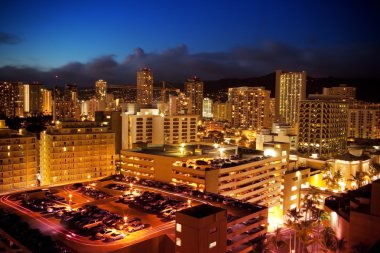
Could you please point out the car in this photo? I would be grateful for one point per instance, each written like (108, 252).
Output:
(101, 234)
(113, 236)
(135, 228)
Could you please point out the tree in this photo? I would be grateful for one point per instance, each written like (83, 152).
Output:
(275, 242)
(328, 241)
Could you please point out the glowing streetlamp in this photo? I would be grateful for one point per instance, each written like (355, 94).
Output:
(125, 219)
(189, 202)
(221, 151)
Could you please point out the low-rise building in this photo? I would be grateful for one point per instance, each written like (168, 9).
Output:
(356, 215)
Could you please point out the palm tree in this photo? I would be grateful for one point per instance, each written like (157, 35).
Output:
(359, 178)
(328, 241)
(275, 242)
(319, 215)
(305, 231)
(292, 221)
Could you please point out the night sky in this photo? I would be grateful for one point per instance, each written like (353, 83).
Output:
(82, 41)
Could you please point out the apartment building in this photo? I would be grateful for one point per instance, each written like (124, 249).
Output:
(75, 150)
(18, 159)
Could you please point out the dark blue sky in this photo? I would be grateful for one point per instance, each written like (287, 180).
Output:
(86, 40)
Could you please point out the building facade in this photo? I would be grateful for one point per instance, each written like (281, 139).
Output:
(342, 91)
(221, 111)
(207, 108)
(144, 86)
(322, 127)
(290, 90)
(18, 159)
(194, 91)
(364, 120)
(73, 151)
(249, 107)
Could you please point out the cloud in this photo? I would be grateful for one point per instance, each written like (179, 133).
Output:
(177, 64)
(8, 38)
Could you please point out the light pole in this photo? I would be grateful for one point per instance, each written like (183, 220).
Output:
(70, 199)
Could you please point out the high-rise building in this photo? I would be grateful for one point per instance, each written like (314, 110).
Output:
(18, 159)
(342, 91)
(322, 127)
(249, 107)
(290, 90)
(76, 150)
(144, 86)
(179, 104)
(32, 98)
(207, 108)
(101, 89)
(221, 111)
(47, 101)
(101, 93)
(7, 99)
(364, 120)
(194, 91)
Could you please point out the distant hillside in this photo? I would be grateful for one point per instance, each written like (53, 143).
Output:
(365, 88)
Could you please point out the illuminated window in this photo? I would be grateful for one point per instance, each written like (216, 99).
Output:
(178, 241)
(178, 227)
(212, 245)
(294, 188)
(293, 206)
(293, 197)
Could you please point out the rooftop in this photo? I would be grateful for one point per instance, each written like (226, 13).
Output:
(202, 211)
(350, 157)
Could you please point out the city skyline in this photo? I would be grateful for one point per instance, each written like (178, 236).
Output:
(82, 43)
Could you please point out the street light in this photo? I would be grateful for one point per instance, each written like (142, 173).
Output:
(189, 202)
(70, 199)
(125, 219)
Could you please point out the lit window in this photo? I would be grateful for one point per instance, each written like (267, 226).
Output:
(293, 206)
(178, 227)
(294, 188)
(178, 241)
(212, 245)
(293, 197)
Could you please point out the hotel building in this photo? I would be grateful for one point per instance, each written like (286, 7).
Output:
(72, 151)
(342, 91)
(207, 108)
(18, 159)
(364, 120)
(322, 127)
(144, 87)
(194, 91)
(221, 111)
(290, 90)
(149, 127)
(249, 107)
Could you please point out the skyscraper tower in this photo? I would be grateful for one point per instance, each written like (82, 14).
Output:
(194, 91)
(249, 107)
(290, 90)
(101, 89)
(144, 86)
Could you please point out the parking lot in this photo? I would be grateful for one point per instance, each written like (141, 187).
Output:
(98, 213)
